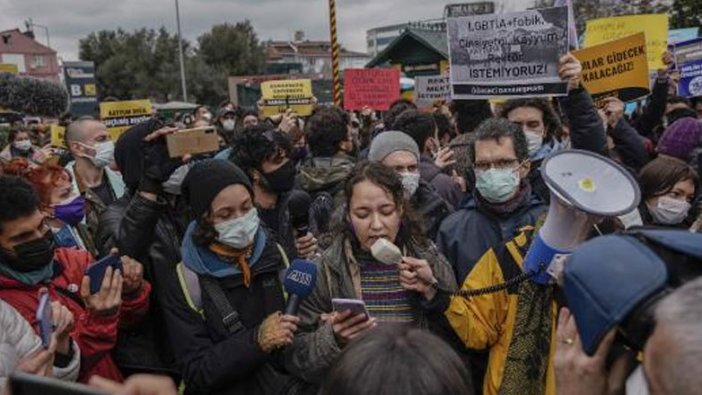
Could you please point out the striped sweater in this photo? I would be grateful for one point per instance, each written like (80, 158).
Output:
(385, 298)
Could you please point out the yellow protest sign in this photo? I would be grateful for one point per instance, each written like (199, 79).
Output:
(279, 96)
(655, 26)
(8, 68)
(57, 136)
(119, 116)
(617, 68)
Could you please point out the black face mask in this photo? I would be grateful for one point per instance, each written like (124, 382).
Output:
(31, 256)
(281, 180)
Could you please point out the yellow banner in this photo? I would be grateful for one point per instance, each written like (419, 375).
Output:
(279, 96)
(119, 116)
(617, 68)
(57, 136)
(655, 26)
(9, 68)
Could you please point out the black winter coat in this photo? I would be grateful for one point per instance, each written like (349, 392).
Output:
(431, 207)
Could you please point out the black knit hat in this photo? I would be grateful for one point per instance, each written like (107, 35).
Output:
(207, 179)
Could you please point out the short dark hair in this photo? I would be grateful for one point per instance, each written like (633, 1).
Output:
(196, 109)
(552, 122)
(255, 145)
(327, 129)
(17, 199)
(470, 113)
(679, 100)
(659, 176)
(14, 131)
(418, 126)
(497, 128)
(378, 363)
(396, 108)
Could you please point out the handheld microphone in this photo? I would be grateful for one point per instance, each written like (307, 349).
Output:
(299, 283)
(299, 209)
(32, 96)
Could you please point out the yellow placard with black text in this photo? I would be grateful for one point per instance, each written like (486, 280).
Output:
(655, 26)
(57, 136)
(9, 68)
(279, 96)
(618, 68)
(119, 116)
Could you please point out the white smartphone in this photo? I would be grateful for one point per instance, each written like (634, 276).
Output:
(356, 306)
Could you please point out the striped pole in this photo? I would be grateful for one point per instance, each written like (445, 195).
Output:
(336, 78)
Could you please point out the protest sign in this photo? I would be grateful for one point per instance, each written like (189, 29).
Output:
(119, 116)
(9, 68)
(57, 136)
(279, 96)
(679, 35)
(375, 88)
(655, 26)
(82, 87)
(688, 59)
(428, 89)
(508, 55)
(617, 68)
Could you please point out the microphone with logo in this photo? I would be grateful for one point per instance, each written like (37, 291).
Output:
(299, 209)
(299, 282)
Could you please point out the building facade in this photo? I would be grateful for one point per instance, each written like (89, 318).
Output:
(31, 58)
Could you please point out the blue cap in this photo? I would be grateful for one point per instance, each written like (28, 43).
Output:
(300, 278)
(605, 279)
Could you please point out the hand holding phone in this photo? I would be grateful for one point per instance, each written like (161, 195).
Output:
(45, 319)
(355, 306)
(350, 319)
(97, 271)
(108, 296)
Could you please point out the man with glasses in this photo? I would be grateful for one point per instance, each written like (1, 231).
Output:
(502, 202)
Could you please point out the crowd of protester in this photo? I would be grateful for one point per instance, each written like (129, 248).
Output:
(204, 241)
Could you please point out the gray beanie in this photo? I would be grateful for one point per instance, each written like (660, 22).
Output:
(386, 143)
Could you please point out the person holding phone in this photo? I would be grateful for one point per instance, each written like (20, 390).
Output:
(30, 260)
(21, 350)
(375, 208)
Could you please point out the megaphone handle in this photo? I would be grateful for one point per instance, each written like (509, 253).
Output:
(469, 293)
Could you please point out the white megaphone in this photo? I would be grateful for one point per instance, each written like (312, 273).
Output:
(585, 188)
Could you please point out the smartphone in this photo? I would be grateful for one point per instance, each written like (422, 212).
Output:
(192, 141)
(356, 306)
(27, 384)
(45, 320)
(97, 270)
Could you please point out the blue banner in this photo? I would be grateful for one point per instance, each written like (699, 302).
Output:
(688, 59)
(82, 88)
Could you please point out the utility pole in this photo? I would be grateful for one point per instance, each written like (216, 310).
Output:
(180, 50)
(334, 53)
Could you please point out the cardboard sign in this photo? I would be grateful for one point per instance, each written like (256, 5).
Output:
(119, 116)
(375, 88)
(600, 31)
(279, 96)
(428, 89)
(57, 136)
(688, 59)
(9, 68)
(618, 68)
(508, 55)
(192, 141)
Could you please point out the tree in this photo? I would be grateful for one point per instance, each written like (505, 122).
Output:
(686, 13)
(232, 48)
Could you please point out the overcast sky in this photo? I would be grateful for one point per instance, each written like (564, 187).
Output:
(70, 20)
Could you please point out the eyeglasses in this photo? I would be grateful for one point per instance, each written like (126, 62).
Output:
(498, 164)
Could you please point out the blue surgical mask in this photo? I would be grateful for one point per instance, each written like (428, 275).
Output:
(497, 185)
(239, 232)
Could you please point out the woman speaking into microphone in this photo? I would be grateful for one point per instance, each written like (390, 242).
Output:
(404, 292)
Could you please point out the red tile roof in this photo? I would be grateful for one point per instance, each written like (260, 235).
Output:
(21, 44)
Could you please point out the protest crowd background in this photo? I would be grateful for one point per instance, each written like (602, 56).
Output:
(495, 202)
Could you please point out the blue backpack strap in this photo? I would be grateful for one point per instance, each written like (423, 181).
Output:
(190, 284)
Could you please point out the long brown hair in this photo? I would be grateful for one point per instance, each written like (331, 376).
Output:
(660, 176)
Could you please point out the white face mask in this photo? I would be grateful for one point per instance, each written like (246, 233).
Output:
(535, 140)
(175, 181)
(24, 145)
(228, 124)
(104, 153)
(670, 211)
(410, 183)
(239, 232)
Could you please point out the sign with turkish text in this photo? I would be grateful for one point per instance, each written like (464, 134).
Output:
(427, 89)
(374, 88)
(82, 88)
(688, 59)
(279, 96)
(118, 116)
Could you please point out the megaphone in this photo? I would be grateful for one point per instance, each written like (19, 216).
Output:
(585, 188)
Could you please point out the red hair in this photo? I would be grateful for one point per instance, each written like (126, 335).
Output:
(44, 178)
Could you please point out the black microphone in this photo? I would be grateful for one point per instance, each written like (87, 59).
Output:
(299, 209)
(299, 283)
(32, 96)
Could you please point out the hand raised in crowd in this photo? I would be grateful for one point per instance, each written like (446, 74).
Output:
(288, 122)
(416, 275)
(570, 70)
(277, 331)
(138, 384)
(613, 111)
(63, 325)
(578, 373)
(108, 300)
(460, 180)
(133, 276)
(444, 158)
(306, 245)
(347, 326)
